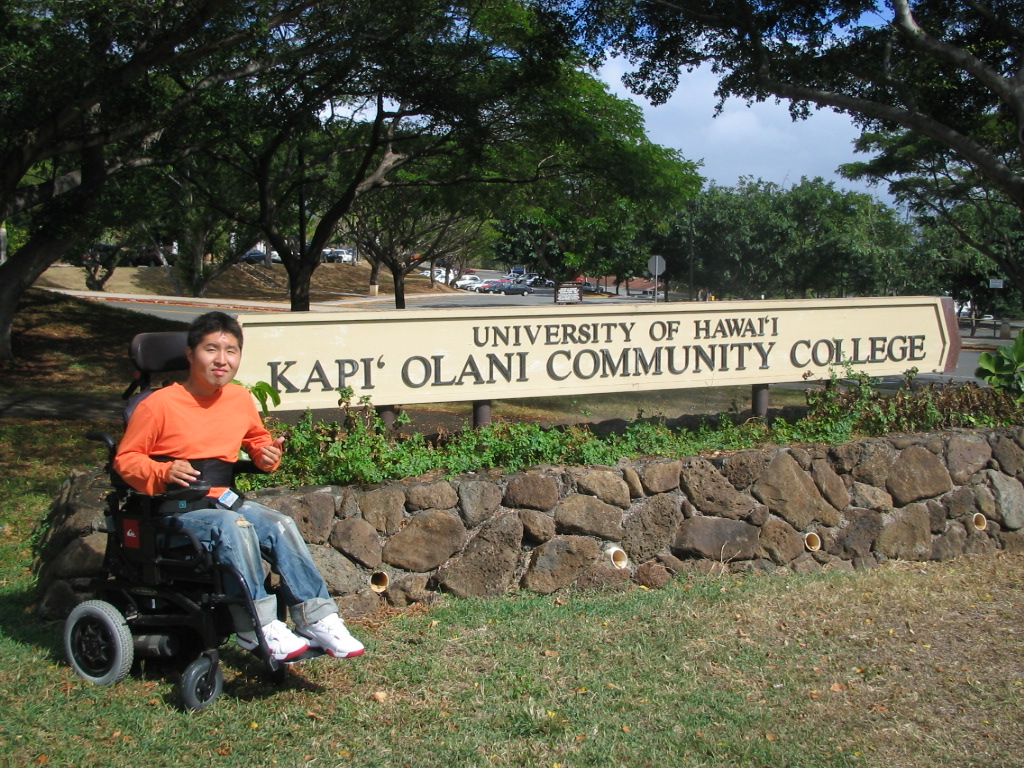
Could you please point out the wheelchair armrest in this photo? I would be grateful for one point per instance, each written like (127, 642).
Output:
(101, 437)
(107, 440)
(247, 467)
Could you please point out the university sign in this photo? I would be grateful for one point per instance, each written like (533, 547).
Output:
(404, 357)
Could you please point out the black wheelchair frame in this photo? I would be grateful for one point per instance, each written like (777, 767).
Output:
(160, 593)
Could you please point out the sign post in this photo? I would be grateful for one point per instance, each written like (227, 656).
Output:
(656, 266)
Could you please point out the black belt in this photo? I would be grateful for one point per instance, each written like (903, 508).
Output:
(216, 473)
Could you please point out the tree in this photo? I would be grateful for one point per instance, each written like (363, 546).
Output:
(946, 71)
(612, 186)
(402, 228)
(951, 261)
(94, 90)
(946, 193)
(761, 239)
(435, 86)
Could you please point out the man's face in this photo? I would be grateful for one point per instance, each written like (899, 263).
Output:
(214, 362)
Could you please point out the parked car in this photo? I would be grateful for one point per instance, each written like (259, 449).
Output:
(507, 287)
(467, 282)
(339, 256)
(540, 282)
(255, 256)
(439, 273)
(143, 256)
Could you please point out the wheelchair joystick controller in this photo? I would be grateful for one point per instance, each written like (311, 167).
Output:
(192, 492)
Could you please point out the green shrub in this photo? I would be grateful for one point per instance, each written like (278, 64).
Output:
(1004, 369)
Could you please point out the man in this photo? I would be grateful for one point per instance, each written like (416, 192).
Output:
(209, 418)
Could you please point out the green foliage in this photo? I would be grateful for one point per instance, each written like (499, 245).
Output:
(809, 239)
(843, 408)
(264, 394)
(884, 64)
(1004, 369)
(362, 450)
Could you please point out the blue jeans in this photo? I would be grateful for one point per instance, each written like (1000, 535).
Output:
(243, 538)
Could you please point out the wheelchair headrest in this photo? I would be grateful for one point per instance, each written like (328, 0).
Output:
(151, 353)
(160, 352)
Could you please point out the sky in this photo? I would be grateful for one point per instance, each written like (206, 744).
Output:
(761, 141)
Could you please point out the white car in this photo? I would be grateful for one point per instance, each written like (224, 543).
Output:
(466, 282)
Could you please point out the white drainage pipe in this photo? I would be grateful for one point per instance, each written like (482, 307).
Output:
(617, 557)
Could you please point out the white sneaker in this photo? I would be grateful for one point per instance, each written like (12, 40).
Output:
(284, 644)
(331, 634)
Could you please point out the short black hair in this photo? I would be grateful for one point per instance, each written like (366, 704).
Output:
(213, 322)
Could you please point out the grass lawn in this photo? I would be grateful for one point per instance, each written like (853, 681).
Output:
(913, 664)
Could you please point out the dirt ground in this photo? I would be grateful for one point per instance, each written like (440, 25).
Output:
(244, 282)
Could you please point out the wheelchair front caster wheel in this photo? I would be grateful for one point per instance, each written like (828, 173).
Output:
(98, 643)
(201, 684)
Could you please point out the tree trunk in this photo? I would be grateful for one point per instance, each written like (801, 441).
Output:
(96, 277)
(59, 225)
(300, 274)
(18, 274)
(374, 276)
(399, 281)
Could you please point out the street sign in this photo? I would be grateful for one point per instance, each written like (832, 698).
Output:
(656, 266)
(569, 293)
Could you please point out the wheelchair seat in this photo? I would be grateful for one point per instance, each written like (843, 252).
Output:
(160, 592)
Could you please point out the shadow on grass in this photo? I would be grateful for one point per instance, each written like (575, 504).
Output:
(246, 678)
(19, 622)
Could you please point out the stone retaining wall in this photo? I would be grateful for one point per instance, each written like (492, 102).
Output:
(803, 508)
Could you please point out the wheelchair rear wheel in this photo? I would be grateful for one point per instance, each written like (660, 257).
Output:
(201, 684)
(98, 643)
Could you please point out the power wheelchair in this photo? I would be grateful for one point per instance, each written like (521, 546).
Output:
(160, 593)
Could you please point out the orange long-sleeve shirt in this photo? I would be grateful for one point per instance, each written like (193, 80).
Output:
(173, 422)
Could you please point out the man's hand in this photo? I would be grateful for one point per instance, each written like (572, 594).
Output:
(182, 473)
(270, 455)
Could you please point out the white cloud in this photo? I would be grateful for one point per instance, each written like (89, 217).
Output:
(760, 141)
